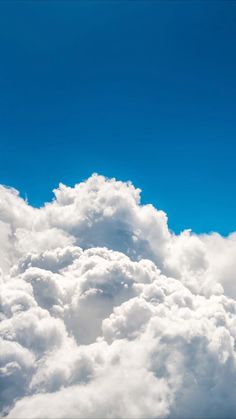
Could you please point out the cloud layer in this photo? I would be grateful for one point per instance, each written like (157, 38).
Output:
(107, 314)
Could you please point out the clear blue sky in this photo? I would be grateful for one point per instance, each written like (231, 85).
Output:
(138, 90)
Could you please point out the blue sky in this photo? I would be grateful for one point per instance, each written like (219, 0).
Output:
(138, 90)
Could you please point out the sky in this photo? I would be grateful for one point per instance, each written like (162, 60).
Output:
(110, 307)
(140, 91)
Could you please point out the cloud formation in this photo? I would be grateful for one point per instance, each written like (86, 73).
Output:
(107, 314)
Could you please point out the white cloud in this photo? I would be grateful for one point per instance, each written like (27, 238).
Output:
(106, 313)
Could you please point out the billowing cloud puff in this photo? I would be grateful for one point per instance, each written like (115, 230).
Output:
(107, 314)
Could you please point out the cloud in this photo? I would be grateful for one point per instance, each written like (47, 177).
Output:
(106, 313)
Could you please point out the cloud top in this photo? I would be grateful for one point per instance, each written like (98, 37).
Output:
(106, 313)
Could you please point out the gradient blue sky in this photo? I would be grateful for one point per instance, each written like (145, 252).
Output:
(138, 90)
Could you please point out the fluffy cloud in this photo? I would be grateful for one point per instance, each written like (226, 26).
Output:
(106, 313)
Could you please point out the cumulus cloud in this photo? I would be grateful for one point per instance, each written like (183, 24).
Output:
(106, 313)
